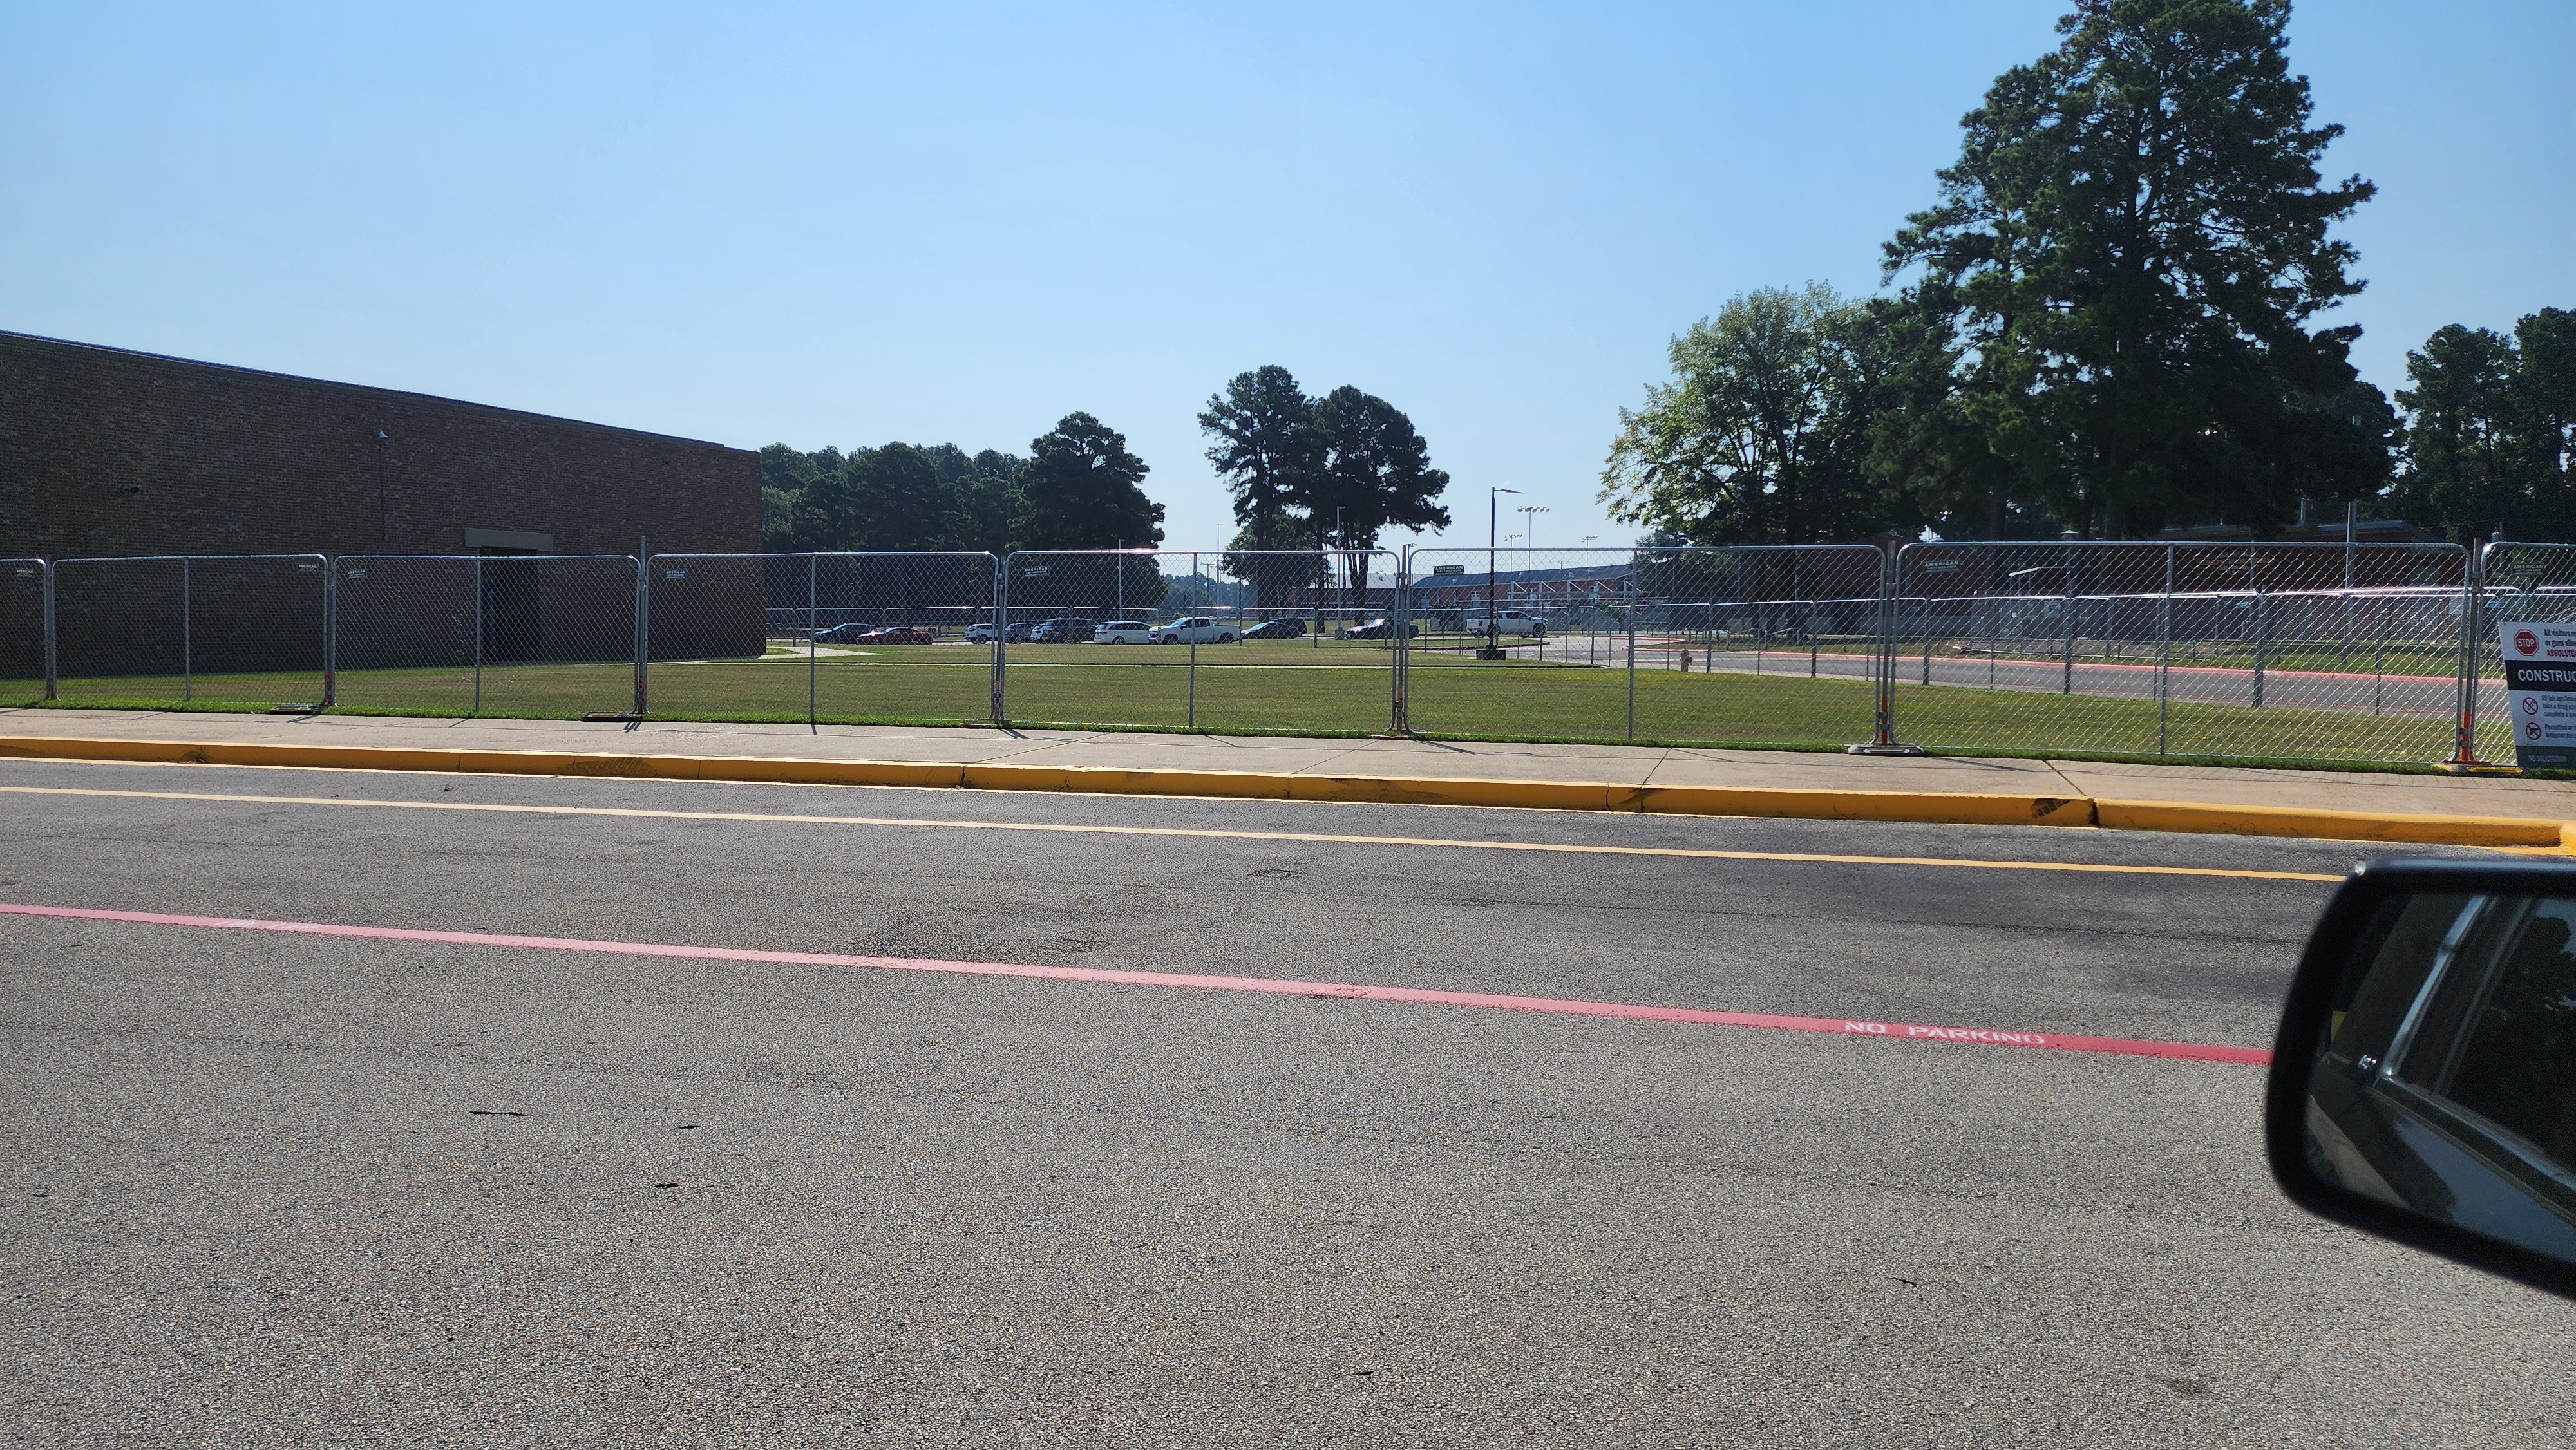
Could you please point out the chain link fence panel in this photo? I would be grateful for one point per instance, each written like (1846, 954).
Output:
(542, 636)
(216, 630)
(2202, 650)
(1237, 640)
(22, 632)
(853, 638)
(2519, 583)
(1750, 645)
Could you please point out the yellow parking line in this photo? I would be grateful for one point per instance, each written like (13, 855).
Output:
(1317, 837)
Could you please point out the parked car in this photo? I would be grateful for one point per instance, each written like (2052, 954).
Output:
(1017, 633)
(1124, 631)
(1061, 631)
(897, 634)
(1288, 627)
(979, 634)
(856, 633)
(1193, 631)
(1383, 629)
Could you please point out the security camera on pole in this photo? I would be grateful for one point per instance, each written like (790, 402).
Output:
(1493, 649)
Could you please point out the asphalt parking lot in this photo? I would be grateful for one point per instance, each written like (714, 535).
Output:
(269, 1187)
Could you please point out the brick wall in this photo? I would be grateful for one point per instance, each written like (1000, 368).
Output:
(104, 452)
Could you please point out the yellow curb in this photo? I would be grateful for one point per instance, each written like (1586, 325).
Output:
(2422, 830)
(1925, 807)
(1962, 808)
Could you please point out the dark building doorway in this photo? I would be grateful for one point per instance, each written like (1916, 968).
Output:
(512, 606)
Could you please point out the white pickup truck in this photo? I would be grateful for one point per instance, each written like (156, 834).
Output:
(1512, 621)
(1193, 631)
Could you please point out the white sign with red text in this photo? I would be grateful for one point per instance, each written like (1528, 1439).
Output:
(2540, 690)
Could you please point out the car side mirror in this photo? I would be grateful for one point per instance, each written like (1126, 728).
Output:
(2423, 1086)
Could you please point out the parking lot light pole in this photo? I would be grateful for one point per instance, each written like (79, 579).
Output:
(1529, 536)
(1493, 649)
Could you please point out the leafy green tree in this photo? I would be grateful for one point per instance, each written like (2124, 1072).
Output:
(785, 475)
(2123, 265)
(1271, 576)
(2491, 430)
(1084, 490)
(988, 511)
(900, 502)
(1764, 434)
(1372, 470)
(1265, 449)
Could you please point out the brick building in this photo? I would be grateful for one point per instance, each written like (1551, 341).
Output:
(107, 452)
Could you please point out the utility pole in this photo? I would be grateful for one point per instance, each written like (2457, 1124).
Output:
(1493, 649)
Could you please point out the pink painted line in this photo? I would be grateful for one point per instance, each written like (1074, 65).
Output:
(1288, 986)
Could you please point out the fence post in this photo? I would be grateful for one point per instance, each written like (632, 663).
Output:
(2066, 686)
(330, 631)
(643, 617)
(188, 634)
(2260, 600)
(2379, 659)
(813, 618)
(1927, 637)
(1001, 627)
(52, 660)
(1193, 642)
(1883, 739)
(1811, 635)
(1631, 612)
(2351, 529)
(2464, 741)
(478, 634)
(1399, 636)
(2164, 651)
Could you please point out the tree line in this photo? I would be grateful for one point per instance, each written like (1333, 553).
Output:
(1079, 487)
(2104, 325)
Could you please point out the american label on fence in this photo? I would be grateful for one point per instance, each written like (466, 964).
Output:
(2540, 690)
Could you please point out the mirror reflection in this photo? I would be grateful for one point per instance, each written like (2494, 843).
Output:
(2446, 1084)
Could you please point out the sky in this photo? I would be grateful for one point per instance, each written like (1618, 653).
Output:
(846, 225)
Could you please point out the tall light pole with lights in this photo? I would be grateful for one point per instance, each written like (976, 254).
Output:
(1493, 649)
(1529, 541)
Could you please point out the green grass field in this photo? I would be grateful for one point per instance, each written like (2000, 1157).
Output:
(1294, 687)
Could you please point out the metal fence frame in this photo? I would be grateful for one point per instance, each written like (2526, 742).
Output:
(1850, 577)
(1300, 584)
(38, 645)
(809, 567)
(319, 564)
(2497, 581)
(2515, 581)
(2295, 570)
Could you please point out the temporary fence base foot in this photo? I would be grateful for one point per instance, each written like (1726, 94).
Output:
(2479, 767)
(309, 707)
(611, 717)
(1889, 748)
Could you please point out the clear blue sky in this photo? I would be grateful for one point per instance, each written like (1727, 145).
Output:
(832, 225)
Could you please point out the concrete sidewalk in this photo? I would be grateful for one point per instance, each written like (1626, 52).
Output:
(2504, 796)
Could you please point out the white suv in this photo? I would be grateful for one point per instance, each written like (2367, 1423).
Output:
(1192, 631)
(1124, 631)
